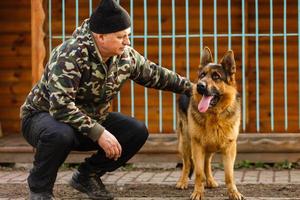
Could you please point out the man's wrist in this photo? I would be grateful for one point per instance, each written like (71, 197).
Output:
(96, 132)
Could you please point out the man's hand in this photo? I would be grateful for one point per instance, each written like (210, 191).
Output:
(110, 145)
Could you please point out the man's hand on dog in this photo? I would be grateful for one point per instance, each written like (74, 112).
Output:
(110, 145)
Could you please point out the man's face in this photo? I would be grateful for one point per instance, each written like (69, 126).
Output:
(112, 44)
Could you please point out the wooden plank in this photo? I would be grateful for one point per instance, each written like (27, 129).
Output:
(10, 126)
(12, 4)
(15, 39)
(37, 37)
(163, 148)
(15, 57)
(11, 51)
(17, 88)
(9, 113)
(12, 63)
(16, 75)
(5, 13)
(12, 100)
(16, 27)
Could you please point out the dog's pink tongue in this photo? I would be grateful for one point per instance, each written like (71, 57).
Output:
(204, 103)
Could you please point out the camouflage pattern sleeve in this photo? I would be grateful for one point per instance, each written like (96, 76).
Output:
(152, 75)
(63, 82)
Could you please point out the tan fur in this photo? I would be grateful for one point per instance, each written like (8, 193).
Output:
(200, 135)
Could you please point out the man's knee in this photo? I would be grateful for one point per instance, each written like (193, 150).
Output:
(142, 132)
(60, 137)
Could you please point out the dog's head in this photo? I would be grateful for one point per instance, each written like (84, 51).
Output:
(215, 87)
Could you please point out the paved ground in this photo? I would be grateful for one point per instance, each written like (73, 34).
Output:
(166, 177)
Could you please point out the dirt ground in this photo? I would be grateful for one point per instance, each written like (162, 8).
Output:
(14, 191)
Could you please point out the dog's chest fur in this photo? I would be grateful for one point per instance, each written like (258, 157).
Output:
(214, 131)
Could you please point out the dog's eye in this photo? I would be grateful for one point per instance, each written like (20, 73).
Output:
(202, 75)
(216, 76)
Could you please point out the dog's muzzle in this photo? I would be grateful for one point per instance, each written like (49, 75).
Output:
(201, 88)
(209, 97)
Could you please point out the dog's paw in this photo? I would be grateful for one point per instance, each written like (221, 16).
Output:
(182, 185)
(211, 183)
(235, 195)
(197, 195)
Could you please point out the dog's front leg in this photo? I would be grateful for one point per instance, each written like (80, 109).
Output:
(198, 156)
(228, 160)
(210, 181)
(185, 152)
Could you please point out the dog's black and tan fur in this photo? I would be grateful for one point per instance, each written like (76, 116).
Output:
(209, 122)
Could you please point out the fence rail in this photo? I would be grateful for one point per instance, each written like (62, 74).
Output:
(263, 34)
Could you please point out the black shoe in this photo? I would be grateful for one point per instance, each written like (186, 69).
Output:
(90, 184)
(41, 196)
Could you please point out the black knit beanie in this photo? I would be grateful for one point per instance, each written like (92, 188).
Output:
(109, 17)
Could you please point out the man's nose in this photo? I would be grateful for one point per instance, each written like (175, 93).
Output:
(126, 41)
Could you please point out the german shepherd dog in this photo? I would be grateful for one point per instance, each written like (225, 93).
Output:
(209, 122)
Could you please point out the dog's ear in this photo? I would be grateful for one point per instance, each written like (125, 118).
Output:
(206, 57)
(228, 62)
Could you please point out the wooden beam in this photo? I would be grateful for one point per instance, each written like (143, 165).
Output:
(246, 143)
(273, 147)
(37, 39)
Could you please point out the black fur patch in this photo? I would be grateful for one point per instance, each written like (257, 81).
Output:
(183, 103)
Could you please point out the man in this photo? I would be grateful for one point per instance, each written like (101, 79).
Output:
(68, 109)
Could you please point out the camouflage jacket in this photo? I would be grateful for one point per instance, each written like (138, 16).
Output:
(77, 87)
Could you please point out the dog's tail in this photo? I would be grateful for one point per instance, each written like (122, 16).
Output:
(191, 170)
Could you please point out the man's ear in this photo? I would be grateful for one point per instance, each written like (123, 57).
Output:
(228, 62)
(99, 37)
(206, 57)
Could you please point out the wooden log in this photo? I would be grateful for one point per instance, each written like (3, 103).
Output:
(37, 39)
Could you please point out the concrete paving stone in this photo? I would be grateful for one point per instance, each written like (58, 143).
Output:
(105, 176)
(167, 177)
(219, 176)
(18, 199)
(4, 173)
(112, 177)
(173, 176)
(145, 177)
(12, 198)
(238, 175)
(66, 178)
(282, 176)
(130, 177)
(245, 176)
(266, 176)
(10, 176)
(63, 176)
(160, 177)
(251, 176)
(21, 178)
(295, 176)
(156, 165)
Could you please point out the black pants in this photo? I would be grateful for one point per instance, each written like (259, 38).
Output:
(54, 140)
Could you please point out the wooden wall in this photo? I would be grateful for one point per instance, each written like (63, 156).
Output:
(15, 67)
(264, 68)
(15, 62)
